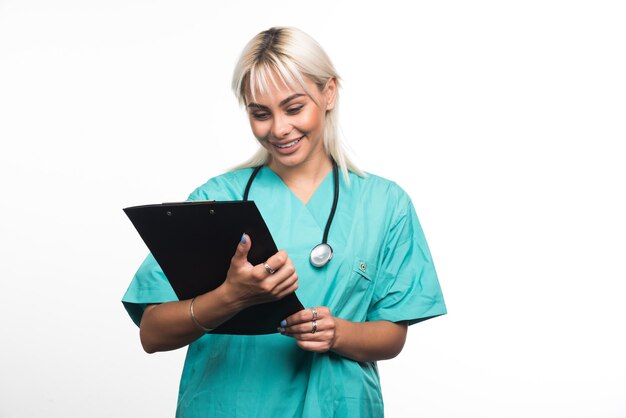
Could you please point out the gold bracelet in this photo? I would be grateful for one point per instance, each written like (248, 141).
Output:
(195, 321)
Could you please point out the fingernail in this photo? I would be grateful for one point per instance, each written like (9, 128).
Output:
(281, 330)
(283, 323)
(243, 238)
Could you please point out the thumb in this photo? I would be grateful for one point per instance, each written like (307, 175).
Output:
(241, 254)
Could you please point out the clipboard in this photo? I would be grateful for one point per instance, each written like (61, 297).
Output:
(193, 242)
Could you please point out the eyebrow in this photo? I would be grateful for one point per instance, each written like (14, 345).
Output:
(282, 103)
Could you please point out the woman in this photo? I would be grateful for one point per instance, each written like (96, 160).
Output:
(322, 361)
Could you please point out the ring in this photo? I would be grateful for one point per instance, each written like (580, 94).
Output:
(314, 312)
(313, 327)
(268, 268)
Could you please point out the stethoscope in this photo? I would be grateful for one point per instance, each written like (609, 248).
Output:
(321, 253)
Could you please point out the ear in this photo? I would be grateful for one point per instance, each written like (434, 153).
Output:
(330, 93)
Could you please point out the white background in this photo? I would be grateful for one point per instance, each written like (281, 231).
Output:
(504, 121)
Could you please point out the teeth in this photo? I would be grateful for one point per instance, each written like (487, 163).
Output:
(289, 144)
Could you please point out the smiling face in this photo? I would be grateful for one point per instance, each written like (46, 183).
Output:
(290, 124)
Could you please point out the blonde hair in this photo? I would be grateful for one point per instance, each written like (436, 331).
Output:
(292, 55)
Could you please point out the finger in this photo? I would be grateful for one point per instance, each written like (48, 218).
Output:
(276, 285)
(307, 327)
(241, 253)
(289, 285)
(318, 336)
(274, 279)
(299, 317)
(277, 261)
(306, 315)
(289, 290)
(291, 320)
(316, 346)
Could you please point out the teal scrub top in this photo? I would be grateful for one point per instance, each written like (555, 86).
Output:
(381, 270)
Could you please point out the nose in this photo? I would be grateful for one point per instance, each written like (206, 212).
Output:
(281, 128)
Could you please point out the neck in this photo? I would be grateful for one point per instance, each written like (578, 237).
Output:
(311, 171)
(304, 178)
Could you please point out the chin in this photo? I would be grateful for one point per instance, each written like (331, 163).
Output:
(288, 160)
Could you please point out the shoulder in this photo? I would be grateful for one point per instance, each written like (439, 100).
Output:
(227, 186)
(377, 188)
(379, 202)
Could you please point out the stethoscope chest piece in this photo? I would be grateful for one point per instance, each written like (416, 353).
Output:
(321, 254)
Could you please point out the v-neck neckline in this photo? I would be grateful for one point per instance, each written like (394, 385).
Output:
(308, 204)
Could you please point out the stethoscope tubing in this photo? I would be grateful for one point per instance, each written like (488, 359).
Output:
(329, 221)
(335, 200)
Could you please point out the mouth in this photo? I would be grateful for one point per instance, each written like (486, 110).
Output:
(289, 144)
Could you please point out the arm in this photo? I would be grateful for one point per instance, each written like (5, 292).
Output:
(359, 341)
(369, 341)
(169, 326)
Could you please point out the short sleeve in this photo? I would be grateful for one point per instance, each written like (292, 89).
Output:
(149, 285)
(407, 287)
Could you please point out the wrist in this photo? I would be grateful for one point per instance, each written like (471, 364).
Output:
(229, 298)
(197, 323)
(337, 342)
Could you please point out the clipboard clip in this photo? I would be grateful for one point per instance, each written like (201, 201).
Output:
(186, 202)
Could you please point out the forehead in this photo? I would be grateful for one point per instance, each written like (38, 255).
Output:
(270, 85)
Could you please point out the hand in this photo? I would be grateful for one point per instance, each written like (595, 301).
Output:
(255, 284)
(314, 329)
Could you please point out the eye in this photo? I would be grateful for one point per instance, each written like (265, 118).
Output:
(260, 115)
(294, 109)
